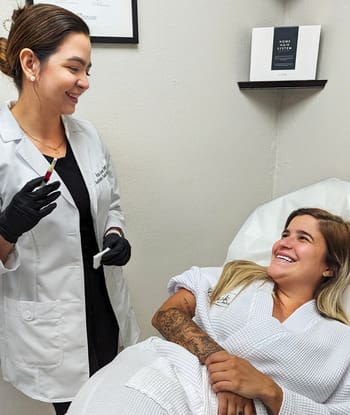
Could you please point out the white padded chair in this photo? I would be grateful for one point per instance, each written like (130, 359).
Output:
(264, 226)
(252, 242)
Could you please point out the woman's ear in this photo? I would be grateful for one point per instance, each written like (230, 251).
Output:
(29, 63)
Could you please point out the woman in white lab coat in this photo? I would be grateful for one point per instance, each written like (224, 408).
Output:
(60, 318)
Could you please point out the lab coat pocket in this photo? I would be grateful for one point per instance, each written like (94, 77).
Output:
(33, 333)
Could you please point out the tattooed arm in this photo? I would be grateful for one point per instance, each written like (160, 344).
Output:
(174, 321)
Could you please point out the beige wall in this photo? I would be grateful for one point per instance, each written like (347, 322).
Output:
(194, 154)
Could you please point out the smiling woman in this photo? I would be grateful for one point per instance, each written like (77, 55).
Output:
(54, 300)
(310, 260)
(299, 261)
(244, 339)
(59, 81)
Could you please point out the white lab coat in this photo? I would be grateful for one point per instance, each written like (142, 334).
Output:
(43, 340)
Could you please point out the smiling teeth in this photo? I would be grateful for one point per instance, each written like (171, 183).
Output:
(285, 258)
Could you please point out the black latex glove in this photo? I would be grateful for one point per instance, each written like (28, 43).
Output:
(120, 251)
(27, 207)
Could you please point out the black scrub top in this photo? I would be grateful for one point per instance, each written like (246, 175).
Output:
(102, 327)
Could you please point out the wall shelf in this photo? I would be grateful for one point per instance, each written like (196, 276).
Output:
(313, 83)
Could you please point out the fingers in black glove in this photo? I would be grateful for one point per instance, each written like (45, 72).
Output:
(41, 197)
(27, 208)
(120, 250)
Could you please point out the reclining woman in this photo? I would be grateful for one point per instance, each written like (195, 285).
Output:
(244, 339)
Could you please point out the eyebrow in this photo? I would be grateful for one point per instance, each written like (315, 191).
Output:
(299, 232)
(81, 61)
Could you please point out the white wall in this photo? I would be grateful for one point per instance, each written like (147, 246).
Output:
(194, 154)
(314, 127)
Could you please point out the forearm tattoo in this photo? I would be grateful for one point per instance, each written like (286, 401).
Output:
(178, 327)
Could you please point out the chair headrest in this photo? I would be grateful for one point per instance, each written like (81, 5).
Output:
(263, 227)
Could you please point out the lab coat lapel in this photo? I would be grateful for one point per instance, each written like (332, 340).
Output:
(81, 153)
(27, 151)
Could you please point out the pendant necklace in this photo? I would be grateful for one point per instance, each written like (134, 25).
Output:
(56, 149)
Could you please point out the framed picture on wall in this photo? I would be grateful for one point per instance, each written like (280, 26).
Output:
(110, 21)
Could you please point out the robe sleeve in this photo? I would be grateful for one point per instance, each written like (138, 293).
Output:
(188, 279)
(337, 404)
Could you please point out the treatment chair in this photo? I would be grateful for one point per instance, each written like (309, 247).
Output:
(252, 242)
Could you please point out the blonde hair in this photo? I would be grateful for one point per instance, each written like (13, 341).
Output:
(329, 295)
(237, 273)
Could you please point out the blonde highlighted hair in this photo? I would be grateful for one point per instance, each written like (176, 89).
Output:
(329, 295)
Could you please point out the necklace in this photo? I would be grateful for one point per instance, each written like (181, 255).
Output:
(56, 149)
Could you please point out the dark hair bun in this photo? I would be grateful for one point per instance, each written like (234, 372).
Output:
(4, 65)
